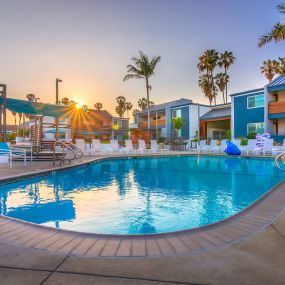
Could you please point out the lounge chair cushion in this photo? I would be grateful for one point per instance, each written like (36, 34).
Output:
(232, 149)
(3, 146)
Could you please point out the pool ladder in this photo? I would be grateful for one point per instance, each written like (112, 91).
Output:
(69, 152)
(279, 157)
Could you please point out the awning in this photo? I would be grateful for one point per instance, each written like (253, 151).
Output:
(33, 108)
(217, 114)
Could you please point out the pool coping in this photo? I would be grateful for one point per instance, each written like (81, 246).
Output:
(225, 232)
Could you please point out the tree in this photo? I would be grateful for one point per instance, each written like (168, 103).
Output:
(277, 33)
(208, 61)
(143, 68)
(269, 69)
(121, 108)
(221, 80)
(142, 103)
(177, 123)
(206, 84)
(226, 59)
(31, 97)
(98, 106)
(128, 107)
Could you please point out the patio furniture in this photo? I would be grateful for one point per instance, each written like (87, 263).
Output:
(115, 147)
(213, 147)
(129, 146)
(154, 147)
(251, 147)
(96, 146)
(203, 147)
(142, 146)
(220, 148)
(267, 147)
(7, 154)
(80, 143)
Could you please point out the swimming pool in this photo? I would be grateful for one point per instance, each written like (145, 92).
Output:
(141, 195)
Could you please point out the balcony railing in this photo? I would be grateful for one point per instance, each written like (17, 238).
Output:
(276, 107)
(160, 123)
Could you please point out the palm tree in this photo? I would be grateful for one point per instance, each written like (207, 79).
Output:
(128, 107)
(177, 123)
(279, 65)
(143, 103)
(206, 84)
(269, 69)
(31, 97)
(221, 80)
(98, 106)
(121, 108)
(277, 33)
(143, 68)
(226, 59)
(208, 61)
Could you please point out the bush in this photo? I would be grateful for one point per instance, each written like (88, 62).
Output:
(161, 140)
(243, 141)
(251, 136)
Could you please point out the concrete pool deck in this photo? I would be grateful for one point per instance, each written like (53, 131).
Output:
(246, 249)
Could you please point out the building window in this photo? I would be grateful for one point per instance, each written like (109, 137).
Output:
(255, 128)
(177, 113)
(256, 101)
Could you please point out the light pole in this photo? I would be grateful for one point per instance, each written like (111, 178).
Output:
(57, 81)
(3, 126)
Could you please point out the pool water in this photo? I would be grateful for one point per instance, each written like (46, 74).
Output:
(141, 195)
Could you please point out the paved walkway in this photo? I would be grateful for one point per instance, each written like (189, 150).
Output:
(257, 259)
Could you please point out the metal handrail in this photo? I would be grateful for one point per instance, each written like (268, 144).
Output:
(277, 158)
(63, 145)
(77, 148)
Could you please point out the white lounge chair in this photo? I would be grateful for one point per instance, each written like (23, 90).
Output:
(96, 146)
(251, 147)
(237, 142)
(115, 147)
(213, 147)
(154, 147)
(80, 143)
(129, 147)
(7, 154)
(142, 146)
(203, 147)
(220, 148)
(268, 147)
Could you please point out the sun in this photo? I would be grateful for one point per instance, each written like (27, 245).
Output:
(79, 104)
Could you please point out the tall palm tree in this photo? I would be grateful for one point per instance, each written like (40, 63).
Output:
(277, 33)
(221, 80)
(269, 69)
(208, 61)
(98, 106)
(206, 84)
(143, 68)
(128, 107)
(226, 59)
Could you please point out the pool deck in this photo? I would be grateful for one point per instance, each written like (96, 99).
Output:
(248, 248)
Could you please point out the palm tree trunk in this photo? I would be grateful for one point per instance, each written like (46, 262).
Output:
(224, 97)
(226, 87)
(148, 111)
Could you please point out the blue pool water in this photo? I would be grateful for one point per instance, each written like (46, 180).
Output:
(143, 195)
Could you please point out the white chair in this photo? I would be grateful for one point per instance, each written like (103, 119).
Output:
(96, 145)
(154, 147)
(251, 147)
(237, 142)
(80, 143)
(129, 146)
(203, 147)
(115, 147)
(221, 148)
(7, 154)
(213, 147)
(142, 146)
(267, 146)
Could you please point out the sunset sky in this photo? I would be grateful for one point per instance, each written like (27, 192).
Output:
(88, 44)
